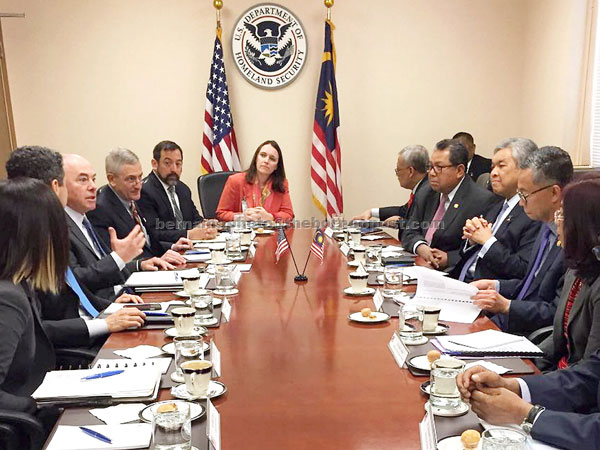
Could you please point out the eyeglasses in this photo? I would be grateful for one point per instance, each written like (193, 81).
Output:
(438, 169)
(401, 169)
(558, 215)
(524, 197)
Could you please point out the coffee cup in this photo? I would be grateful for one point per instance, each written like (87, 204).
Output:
(245, 236)
(354, 236)
(191, 284)
(217, 255)
(184, 320)
(430, 317)
(358, 281)
(197, 374)
(359, 254)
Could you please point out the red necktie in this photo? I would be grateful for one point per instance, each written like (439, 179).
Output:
(410, 201)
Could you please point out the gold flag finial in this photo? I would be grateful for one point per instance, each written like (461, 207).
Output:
(218, 4)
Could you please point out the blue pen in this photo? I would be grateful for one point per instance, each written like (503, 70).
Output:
(153, 313)
(96, 435)
(103, 375)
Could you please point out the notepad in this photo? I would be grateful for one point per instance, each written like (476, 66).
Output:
(518, 347)
(123, 437)
(163, 278)
(121, 363)
(484, 340)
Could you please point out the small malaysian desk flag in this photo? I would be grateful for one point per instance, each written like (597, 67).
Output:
(282, 245)
(316, 248)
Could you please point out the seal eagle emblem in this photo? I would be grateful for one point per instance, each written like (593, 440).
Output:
(269, 46)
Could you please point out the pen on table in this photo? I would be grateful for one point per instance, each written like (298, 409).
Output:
(154, 313)
(103, 375)
(96, 435)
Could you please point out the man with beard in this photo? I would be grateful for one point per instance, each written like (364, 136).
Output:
(166, 202)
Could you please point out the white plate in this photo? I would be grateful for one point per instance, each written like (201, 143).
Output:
(420, 362)
(225, 261)
(207, 323)
(354, 263)
(423, 340)
(215, 389)
(186, 295)
(198, 331)
(461, 410)
(196, 410)
(170, 348)
(216, 301)
(264, 232)
(378, 317)
(226, 293)
(367, 291)
(453, 443)
(440, 329)
(176, 377)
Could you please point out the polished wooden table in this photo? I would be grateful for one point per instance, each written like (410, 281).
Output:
(299, 374)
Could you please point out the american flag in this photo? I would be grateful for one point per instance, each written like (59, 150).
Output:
(220, 147)
(316, 248)
(282, 245)
(326, 159)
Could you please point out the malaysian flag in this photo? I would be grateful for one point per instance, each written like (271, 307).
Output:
(326, 159)
(282, 245)
(316, 248)
(220, 147)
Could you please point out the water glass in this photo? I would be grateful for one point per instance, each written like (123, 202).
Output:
(503, 439)
(172, 430)
(233, 248)
(354, 236)
(444, 392)
(238, 222)
(373, 258)
(410, 324)
(224, 280)
(187, 348)
(337, 222)
(203, 303)
(393, 278)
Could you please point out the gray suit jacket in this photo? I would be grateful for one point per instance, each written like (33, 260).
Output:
(583, 327)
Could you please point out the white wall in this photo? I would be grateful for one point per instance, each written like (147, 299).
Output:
(89, 75)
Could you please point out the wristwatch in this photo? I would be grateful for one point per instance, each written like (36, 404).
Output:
(531, 417)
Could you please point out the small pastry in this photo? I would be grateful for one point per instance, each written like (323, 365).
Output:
(366, 312)
(260, 230)
(433, 355)
(470, 439)
(167, 407)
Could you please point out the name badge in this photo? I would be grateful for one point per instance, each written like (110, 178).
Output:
(427, 430)
(399, 350)
(378, 300)
(215, 358)
(226, 310)
(345, 248)
(213, 430)
(252, 250)
(328, 232)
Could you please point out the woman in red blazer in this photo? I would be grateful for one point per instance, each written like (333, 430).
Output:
(261, 192)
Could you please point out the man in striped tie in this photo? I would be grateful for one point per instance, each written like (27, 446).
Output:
(522, 305)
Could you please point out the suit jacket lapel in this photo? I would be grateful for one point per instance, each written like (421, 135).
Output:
(455, 206)
(75, 231)
(160, 190)
(552, 255)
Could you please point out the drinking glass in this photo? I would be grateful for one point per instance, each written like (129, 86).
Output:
(204, 308)
(393, 277)
(410, 324)
(187, 348)
(503, 439)
(373, 258)
(172, 430)
(224, 280)
(233, 249)
(337, 222)
(444, 392)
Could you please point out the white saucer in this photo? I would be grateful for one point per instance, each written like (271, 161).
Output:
(170, 348)
(215, 301)
(264, 232)
(176, 377)
(378, 317)
(198, 331)
(186, 295)
(454, 443)
(226, 293)
(207, 323)
(354, 264)
(440, 329)
(367, 291)
(215, 389)
(421, 341)
(196, 410)
(225, 261)
(461, 410)
(420, 362)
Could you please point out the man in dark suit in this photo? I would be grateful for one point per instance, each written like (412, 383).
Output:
(435, 226)
(477, 164)
(559, 408)
(500, 247)
(117, 208)
(534, 296)
(411, 171)
(166, 201)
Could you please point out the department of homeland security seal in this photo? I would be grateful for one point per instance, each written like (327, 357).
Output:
(269, 46)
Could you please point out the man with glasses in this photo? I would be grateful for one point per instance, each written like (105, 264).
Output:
(501, 249)
(435, 226)
(526, 304)
(411, 171)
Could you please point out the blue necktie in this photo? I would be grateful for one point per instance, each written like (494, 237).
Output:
(95, 239)
(471, 260)
(83, 300)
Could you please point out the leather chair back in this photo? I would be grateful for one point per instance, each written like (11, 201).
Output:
(210, 187)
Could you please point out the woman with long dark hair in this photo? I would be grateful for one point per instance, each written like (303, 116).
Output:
(261, 192)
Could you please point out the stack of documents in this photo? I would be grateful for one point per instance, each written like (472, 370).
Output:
(123, 437)
(131, 384)
(163, 280)
(488, 343)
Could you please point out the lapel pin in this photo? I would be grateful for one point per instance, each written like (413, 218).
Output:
(455, 205)
(508, 219)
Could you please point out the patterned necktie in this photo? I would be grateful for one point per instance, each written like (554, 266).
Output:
(537, 263)
(176, 210)
(410, 201)
(83, 300)
(437, 218)
(138, 220)
(98, 247)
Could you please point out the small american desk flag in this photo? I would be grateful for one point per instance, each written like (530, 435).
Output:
(316, 248)
(220, 147)
(282, 245)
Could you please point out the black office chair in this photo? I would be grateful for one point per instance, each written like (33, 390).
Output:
(74, 358)
(20, 431)
(210, 187)
(540, 335)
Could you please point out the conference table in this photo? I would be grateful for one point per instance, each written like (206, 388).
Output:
(299, 374)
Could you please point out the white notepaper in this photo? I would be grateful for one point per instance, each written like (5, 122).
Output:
(427, 430)
(213, 429)
(130, 436)
(378, 300)
(399, 350)
(328, 232)
(344, 248)
(226, 310)
(500, 370)
(244, 267)
(215, 357)
(140, 352)
(197, 257)
(118, 414)
(159, 278)
(373, 237)
(486, 339)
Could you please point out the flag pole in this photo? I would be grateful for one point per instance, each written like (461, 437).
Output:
(218, 4)
(298, 277)
(328, 4)
(309, 252)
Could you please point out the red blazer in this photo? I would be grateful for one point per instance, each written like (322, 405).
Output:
(236, 188)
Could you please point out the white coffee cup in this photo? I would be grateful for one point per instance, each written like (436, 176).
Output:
(430, 317)
(191, 284)
(197, 374)
(184, 320)
(359, 254)
(218, 255)
(354, 236)
(245, 236)
(358, 281)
